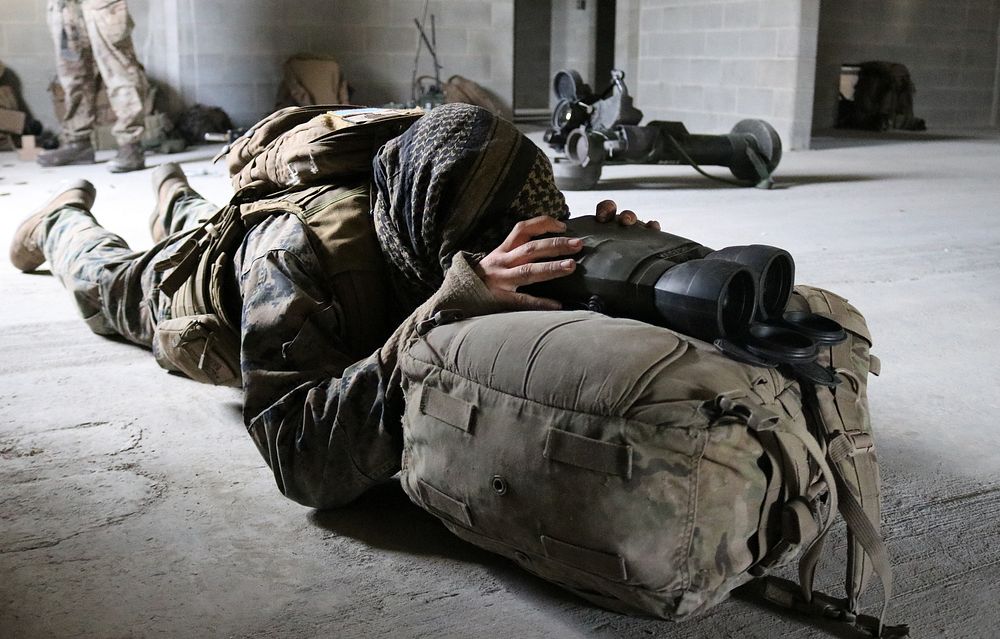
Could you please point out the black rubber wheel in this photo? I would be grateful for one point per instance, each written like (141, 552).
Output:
(570, 176)
(768, 145)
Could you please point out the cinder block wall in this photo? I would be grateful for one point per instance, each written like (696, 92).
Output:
(949, 47)
(26, 48)
(573, 45)
(627, 38)
(229, 53)
(711, 63)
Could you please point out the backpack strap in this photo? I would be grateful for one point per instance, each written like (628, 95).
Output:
(839, 417)
(191, 280)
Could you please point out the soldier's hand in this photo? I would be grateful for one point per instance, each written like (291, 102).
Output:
(607, 210)
(515, 262)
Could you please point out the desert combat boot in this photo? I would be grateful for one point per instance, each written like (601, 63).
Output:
(78, 152)
(26, 247)
(169, 183)
(130, 158)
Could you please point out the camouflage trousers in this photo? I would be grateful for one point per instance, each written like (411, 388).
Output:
(91, 37)
(113, 286)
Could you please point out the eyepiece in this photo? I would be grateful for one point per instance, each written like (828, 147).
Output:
(773, 270)
(707, 299)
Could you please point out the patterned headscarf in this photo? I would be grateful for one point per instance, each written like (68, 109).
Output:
(457, 180)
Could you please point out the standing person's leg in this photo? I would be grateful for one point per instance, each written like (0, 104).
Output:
(77, 74)
(113, 286)
(109, 27)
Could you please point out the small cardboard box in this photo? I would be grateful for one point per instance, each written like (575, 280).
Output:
(12, 121)
(29, 150)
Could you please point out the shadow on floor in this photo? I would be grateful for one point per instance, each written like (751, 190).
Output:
(697, 182)
(848, 138)
(922, 510)
(378, 516)
(385, 518)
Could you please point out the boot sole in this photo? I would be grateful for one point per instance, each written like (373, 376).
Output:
(85, 160)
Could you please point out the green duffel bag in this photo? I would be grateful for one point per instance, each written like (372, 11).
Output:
(637, 467)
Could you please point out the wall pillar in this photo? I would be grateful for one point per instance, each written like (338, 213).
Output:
(711, 64)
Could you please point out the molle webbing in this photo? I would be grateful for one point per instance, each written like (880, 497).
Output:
(197, 270)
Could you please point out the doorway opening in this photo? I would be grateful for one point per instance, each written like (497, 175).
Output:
(552, 35)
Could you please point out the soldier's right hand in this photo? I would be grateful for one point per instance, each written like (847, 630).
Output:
(521, 260)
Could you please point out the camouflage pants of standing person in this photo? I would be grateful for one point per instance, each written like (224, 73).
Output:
(91, 37)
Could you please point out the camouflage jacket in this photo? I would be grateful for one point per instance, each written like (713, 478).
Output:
(326, 418)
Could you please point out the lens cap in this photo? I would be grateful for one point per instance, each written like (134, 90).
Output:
(734, 351)
(569, 85)
(779, 344)
(816, 327)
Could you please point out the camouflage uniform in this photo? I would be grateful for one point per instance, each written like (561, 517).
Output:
(289, 336)
(325, 415)
(95, 36)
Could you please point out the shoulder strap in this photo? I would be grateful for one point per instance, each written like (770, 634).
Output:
(189, 269)
(183, 262)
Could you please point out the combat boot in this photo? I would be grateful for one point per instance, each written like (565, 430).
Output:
(78, 152)
(130, 158)
(169, 182)
(26, 247)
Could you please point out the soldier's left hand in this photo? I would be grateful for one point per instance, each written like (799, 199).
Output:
(607, 210)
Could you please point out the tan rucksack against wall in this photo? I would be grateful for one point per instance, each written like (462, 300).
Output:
(310, 79)
(639, 468)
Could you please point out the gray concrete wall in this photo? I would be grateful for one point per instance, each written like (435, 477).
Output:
(627, 38)
(713, 63)
(229, 52)
(573, 37)
(949, 47)
(26, 48)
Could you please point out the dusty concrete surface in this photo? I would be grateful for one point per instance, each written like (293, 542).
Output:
(132, 504)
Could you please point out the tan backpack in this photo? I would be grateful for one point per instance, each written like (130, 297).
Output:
(309, 79)
(640, 468)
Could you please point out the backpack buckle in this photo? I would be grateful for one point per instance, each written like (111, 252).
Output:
(846, 444)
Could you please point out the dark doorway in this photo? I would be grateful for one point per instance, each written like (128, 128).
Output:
(532, 50)
(604, 47)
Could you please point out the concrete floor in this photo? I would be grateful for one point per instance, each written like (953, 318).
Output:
(132, 504)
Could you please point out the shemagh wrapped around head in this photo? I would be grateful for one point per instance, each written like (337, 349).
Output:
(458, 180)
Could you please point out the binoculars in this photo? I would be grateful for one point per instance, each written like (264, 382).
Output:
(734, 297)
